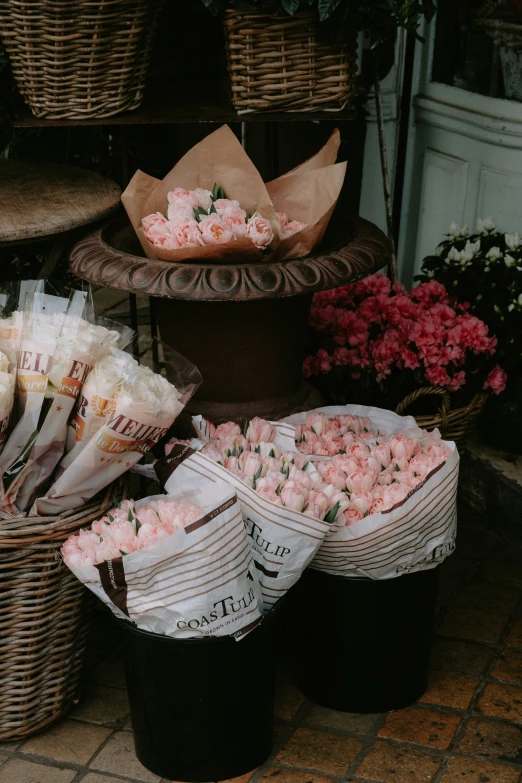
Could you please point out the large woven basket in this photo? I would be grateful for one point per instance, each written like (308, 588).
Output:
(43, 621)
(280, 64)
(77, 59)
(456, 424)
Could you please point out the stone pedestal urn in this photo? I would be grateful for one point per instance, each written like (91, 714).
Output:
(243, 325)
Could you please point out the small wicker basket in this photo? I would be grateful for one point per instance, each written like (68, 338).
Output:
(43, 621)
(81, 59)
(279, 64)
(457, 424)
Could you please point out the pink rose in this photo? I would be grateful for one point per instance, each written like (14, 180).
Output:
(266, 450)
(154, 226)
(227, 430)
(188, 234)
(392, 495)
(282, 217)
(179, 197)
(151, 537)
(334, 446)
(250, 463)
(377, 506)
(147, 516)
(421, 465)
(213, 452)
(385, 478)
(300, 476)
(352, 515)
(437, 451)
(397, 465)
(360, 482)
(317, 422)
(260, 430)
(179, 214)
(268, 493)
(86, 539)
(259, 231)
(371, 464)
(401, 446)
(362, 503)
(232, 464)
(214, 231)
(121, 535)
(169, 242)
(292, 498)
(292, 228)
(273, 479)
(334, 476)
(319, 504)
(292, 458)
(383, 453)
(345, 463)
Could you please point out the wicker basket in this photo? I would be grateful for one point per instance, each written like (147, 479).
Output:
(278, 64)
(455, 424)
(43, 628)
(76, 59)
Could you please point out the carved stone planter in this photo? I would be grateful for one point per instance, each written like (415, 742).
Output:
(243, 325)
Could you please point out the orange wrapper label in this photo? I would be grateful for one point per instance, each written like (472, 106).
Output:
(30, 382)
(137, 436)
(72, 383)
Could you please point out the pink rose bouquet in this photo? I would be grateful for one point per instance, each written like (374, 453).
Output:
(195, 218)
(374, 340)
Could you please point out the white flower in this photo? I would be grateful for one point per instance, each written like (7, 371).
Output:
(456, 232)
(486, 226)
(79, 335)
(512, 241)
(509, 260)
(511, 307)
(520, 299)
(494, 254)
(431, 273)
(496, 308)
(438, 250)
(487, 269)
(479, 297)
(453, 254)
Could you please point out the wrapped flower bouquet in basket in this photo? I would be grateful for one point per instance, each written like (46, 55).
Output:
(50, 488)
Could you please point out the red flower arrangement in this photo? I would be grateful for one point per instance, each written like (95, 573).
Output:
(373, 336)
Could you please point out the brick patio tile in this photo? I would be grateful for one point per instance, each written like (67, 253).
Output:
(10, 745)
(479, 626)
(275, 775)
(21, 771)
(342, 721)
(101, 704)
(501, 701)
(508, 666)
(421, 726)
(503, 570)
(492, 738)
(487, 597)
(241, 779)
(450, 690)
(460, 656)
(330, 753)
(94, 777)
(396, 764)
(465, 770)
(118, 757)
(3, 758)
(288, 699)
(514, 637)
(68, 741)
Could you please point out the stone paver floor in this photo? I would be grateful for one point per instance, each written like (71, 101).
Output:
(466, 728)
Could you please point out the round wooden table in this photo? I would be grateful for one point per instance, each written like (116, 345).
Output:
(40, 201)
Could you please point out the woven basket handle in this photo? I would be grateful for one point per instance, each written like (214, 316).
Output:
(424, 392)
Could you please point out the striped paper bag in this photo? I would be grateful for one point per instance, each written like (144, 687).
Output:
(199, 581)
(282, 541)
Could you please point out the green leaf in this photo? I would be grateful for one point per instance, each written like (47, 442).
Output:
(326, 8)
(212, 210)
(272, 452)
(329, 518)
(221, 193)
(290, 6)
(257, 449)
(215, 192)
(278, 490)
(138, 524)
(257, 476)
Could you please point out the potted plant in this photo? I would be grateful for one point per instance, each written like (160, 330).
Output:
(300, 55)
(375, 343)
(485, 268)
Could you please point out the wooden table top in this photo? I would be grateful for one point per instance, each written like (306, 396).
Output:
(40, 199)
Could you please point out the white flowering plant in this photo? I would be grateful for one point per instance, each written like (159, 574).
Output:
(485, 270)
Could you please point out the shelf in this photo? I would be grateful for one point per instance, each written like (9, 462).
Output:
(188, 106)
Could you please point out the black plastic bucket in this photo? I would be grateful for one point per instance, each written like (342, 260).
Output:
(201, 709)
(361, 645)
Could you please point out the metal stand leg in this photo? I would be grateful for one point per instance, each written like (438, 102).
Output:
(53, 257)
